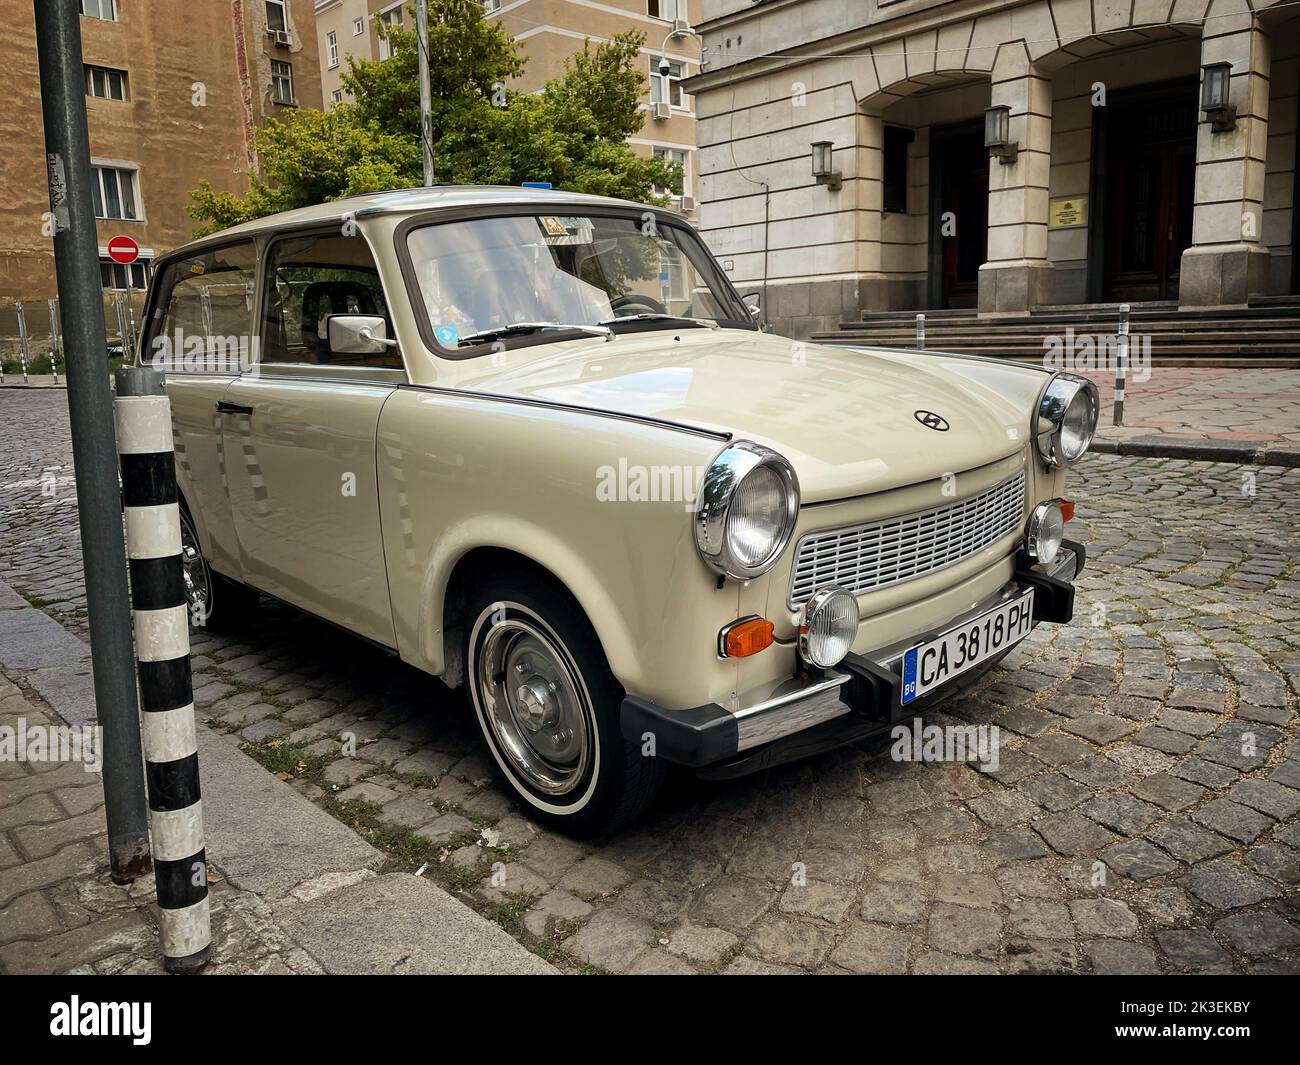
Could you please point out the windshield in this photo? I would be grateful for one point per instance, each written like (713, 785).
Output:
(516, 276)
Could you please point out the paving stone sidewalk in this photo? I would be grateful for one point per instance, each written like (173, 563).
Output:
(1211, 413)
(1143, 818)
(60, 910)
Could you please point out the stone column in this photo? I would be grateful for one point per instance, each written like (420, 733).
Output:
(1018, 275)
(868, 206)
(1227, 264)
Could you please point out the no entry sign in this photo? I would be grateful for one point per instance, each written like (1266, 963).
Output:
(123, 250)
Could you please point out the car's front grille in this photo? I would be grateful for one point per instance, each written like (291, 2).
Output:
(862, 558)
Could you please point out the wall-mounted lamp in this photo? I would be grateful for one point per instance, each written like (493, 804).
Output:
(821, 165)
(1215, 79)
(997, 134)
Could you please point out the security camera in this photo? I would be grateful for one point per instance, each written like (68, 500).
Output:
(665, 67)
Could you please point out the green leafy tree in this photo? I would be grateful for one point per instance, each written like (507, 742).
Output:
(572, 134)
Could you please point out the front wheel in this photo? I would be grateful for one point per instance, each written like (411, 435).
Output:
(548, 707)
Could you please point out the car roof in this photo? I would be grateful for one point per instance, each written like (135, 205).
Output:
(412, 201)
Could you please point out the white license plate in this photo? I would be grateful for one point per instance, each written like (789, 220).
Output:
(928, 665)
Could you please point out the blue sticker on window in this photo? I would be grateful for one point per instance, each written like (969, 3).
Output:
(446, 335)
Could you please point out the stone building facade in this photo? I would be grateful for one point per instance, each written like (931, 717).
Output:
(173, 94)
(1118, 187)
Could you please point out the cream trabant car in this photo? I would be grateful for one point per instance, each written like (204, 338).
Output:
(534, 443)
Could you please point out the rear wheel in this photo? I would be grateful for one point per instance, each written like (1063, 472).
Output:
(548, 707)
(215, 602)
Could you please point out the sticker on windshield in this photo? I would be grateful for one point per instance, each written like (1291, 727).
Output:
(553, 226)
(446, 335)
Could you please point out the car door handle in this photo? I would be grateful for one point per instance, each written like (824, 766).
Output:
(232, 408)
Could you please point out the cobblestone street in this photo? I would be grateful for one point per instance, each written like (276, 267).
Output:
(1143, 817)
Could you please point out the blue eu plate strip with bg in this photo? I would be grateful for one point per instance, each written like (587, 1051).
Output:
(909, 675)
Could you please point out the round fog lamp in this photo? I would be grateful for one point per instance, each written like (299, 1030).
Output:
(828, 627)
(1046, 531)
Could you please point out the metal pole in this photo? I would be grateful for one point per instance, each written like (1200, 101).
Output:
(162, 646)
(920, 332)
(94, 450)
(426, 90)
(1121, 365)
(54, 339)
(121, 322)
(22, 339)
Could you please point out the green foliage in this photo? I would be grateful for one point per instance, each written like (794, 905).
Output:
(572, 134)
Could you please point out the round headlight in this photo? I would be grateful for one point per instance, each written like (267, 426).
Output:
(748, 505)
(1067, 419)
(828, 627)
(1046, 531)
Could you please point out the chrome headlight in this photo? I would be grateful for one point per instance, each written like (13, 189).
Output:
(748, 506)
(828, 627)
(1046, 531)
(1067, 418)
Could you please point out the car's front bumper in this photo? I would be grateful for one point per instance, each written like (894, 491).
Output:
(859, 697)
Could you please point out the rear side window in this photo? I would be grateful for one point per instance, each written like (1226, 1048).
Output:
(203, 314)
(309, 278)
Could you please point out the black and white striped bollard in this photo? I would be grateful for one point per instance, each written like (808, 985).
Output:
(1121, 365)
(162, 648)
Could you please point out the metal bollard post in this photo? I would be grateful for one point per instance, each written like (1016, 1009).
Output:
(920, 332)
(1121, 365)
(162, 641)
(54, 339)
(22, 340)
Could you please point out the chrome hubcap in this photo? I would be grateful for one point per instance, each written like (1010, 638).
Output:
(535, 705)
(194, 571)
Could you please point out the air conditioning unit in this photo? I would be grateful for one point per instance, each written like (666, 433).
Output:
(282, 37)
(662, 110)
(688, 203)
(681, 27)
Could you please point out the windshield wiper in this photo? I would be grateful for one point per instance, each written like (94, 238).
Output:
(653, 316)
(520, 328)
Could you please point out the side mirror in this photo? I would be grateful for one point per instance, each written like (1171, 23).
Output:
(752, 305)
(358, 334)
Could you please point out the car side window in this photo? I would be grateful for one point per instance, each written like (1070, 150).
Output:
(203, 315)
(306, 280)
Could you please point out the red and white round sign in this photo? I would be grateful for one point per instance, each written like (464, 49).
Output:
(123, 250)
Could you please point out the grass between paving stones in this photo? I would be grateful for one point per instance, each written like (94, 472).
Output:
(408, 851)
(285, 760)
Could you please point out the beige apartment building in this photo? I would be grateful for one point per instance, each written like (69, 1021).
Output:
(905, 155)
(173, 94)
(549, 31)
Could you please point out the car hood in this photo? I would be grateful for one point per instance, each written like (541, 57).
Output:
(846, 418)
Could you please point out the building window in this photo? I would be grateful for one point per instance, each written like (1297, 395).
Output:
(281, 81)
(491, 5)
(668, 10)
(894, 198)
(113, 191)
(675, 155)
(666, 88)
(389, 18)
(124, 275)
(358, 27)
(276, 16)
(101, 9)
(106, 83)
(332, 46)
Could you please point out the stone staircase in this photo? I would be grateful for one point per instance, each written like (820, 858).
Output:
(1266, 334)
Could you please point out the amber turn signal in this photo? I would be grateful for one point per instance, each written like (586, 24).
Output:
(744, 638)
(1067, 509)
